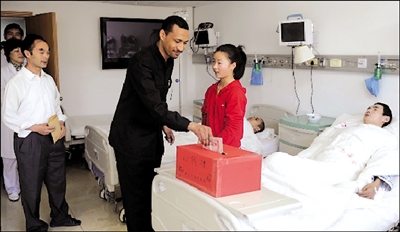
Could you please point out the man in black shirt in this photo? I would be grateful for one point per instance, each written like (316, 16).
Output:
(141, 116)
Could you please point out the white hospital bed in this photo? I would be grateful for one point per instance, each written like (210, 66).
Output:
(269, 137)
(99, 155)
(178, 206)
(75, 127)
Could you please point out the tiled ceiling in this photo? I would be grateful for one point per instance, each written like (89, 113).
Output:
(175, 4)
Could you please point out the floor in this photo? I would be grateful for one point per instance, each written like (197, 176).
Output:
(84, 201)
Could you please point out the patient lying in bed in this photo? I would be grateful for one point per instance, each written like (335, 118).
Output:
(250, 141)
(352, 155)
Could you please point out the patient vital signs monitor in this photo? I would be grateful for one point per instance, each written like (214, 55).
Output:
(295, 32)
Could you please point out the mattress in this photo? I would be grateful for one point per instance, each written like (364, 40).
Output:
(76, 124)
(269, 141)
(75, 127)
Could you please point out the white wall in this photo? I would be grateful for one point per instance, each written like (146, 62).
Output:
(86, 88)
(343, 28)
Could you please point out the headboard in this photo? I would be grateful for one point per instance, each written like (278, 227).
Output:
(270, 114)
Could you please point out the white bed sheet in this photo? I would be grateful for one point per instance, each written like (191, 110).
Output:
(76, 124)
(181, 138)
(331, 208)
(326, 207)
(325, 211)
(269, 141)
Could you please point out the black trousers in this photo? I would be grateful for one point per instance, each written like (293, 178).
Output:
(41, 161)
(136, 178)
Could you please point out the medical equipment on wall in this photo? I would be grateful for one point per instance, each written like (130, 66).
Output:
(378, 69)
(382, 65)
(256, 72)
(204, 37)
(372, 83)
(295, 32)
(302, 54)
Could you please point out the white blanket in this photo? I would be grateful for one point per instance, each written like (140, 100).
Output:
(326, 176)
(181, 138)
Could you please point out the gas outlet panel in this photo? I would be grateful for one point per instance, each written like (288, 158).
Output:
(350, 63)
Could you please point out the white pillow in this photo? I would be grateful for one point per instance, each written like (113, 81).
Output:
(393, 127)
(267, 133)
(347, 120)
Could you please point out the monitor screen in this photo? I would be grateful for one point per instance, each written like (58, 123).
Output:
(121, 38)
(292, 32)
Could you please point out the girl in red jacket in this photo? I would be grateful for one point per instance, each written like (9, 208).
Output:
(225, 101)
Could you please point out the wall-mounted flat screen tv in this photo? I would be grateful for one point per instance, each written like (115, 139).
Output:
(123, 37)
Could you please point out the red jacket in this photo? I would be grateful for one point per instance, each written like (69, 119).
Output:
(224, 112)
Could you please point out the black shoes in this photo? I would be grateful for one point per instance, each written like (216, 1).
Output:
(70, 222)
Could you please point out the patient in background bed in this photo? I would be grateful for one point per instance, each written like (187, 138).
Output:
(250, 142)
(346, 157)
(257, 124)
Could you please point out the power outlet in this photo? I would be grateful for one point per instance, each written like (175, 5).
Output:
(322, 62)
(312, 62)
(362, 63)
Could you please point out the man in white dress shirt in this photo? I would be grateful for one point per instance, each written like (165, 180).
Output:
(31, 98)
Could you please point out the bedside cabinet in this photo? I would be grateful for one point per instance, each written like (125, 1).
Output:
(296, 133)
(197, 104)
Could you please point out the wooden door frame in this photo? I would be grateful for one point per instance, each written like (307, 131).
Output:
(25, 15)
(16, 14)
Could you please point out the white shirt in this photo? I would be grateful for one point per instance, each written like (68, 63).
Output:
(3, 58)
(8, 71)
(30, 99)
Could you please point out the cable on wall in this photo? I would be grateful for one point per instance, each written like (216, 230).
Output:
(312, 87)
(294, 80)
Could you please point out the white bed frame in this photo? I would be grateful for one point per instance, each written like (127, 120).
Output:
(178, 206)
(75, 127)
(100, 158)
